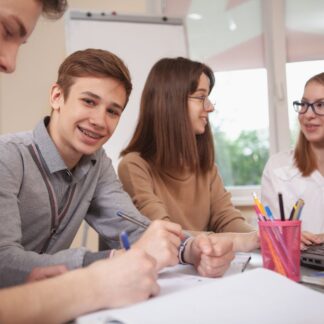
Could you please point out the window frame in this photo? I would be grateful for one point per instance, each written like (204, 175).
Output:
(274, 31)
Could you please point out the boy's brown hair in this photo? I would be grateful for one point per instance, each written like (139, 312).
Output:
(93, 63)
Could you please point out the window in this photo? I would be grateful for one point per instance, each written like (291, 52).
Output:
(240, 125)
(262, 53)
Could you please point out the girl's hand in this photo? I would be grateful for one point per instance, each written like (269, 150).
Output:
(308, 238)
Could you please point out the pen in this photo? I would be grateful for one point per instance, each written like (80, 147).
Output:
(269, 213)
(281, 207)
(131, 219)
(299, 208)
(299, 213)
(259, 204)
(140, 224)
(246, 264)
(124, 240)
(291, 217)
(259, 215)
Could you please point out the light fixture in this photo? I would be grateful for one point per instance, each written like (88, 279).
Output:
(195, 16)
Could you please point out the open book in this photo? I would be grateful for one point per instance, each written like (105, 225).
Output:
(256, 296)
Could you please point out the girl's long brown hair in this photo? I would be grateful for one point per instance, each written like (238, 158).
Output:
(164, 135)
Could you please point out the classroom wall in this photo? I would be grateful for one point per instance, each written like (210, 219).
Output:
(24, 94)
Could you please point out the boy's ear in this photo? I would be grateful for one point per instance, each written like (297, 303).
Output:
(56, 97)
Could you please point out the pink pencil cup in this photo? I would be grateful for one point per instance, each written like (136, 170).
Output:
(280, 247)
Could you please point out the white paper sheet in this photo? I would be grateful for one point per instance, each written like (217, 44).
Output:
(256, 296)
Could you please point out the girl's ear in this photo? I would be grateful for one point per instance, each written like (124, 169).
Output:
(56, 97)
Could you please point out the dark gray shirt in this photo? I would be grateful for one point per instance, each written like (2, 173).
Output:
(35, 231)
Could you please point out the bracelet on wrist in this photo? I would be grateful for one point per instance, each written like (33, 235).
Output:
(182, 250)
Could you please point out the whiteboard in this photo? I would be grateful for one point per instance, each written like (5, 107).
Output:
(139, 42)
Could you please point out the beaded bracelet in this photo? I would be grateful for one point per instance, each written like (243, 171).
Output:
(182, 250)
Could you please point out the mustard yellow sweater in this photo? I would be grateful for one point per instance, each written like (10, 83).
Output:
(196, 202)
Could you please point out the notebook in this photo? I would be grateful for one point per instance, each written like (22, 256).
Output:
(313, 257)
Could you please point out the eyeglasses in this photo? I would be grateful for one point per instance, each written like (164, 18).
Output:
(302, 107)
(207, 104)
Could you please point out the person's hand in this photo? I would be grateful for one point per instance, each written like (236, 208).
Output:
(308, 238)
(245, 242)
(40, 273)
(124, 279)
(161, 240)
(210, 255)
(242, 242)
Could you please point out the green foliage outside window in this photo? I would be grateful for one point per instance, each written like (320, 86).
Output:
(241, 161)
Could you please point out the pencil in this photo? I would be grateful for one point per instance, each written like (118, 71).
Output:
(281, 207)
(259, 204)
(291, 217)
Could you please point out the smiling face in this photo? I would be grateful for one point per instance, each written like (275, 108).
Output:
(197, 114)
(83, 122)
(311, 124)
(17, 21)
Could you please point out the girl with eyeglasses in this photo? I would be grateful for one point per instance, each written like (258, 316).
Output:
(299, 173)
(168, 168)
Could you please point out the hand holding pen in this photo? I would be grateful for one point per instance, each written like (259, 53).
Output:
(210, 255)
(125, 279)
(162, 240)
